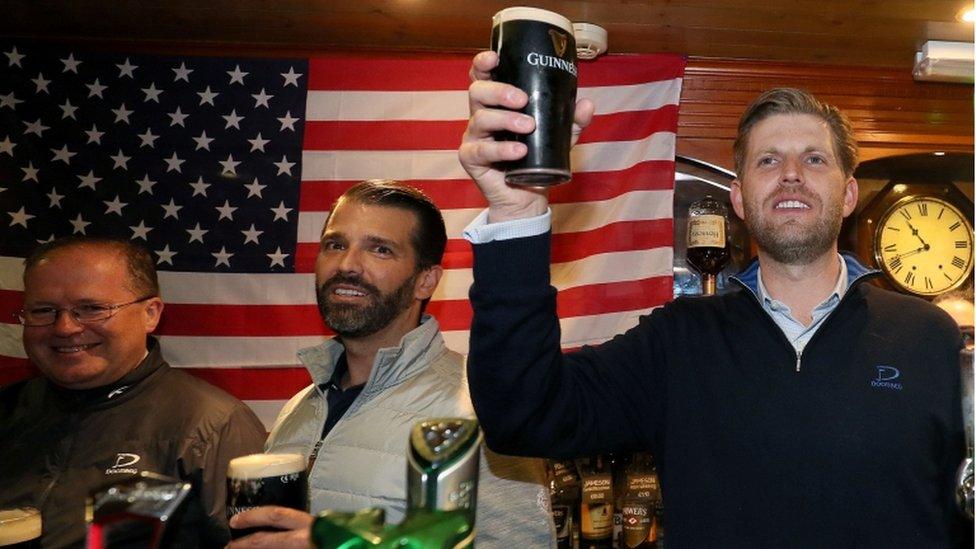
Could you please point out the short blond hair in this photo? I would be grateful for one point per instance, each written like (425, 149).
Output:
(797, 101)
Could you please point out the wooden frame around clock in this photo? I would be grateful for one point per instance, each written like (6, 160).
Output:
(889, 200)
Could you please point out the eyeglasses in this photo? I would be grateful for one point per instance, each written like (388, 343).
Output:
(90, 313)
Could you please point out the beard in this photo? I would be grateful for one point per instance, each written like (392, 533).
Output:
(353, 321)
(792, 243)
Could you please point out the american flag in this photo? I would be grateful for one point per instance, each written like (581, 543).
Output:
(226, 169)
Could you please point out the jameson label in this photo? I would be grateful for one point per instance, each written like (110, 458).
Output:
(706, 231)
(642, 487)
(596, 511)
(640, 525)
(564, 474)
(560, 468)
(597, 488)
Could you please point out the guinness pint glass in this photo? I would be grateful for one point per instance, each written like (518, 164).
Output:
(537, 53)
(20, 528)
(265, 479)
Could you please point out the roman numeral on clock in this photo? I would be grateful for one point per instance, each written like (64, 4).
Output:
(905, 214)
(928, 283)
(891, 247)
(910, 278)
(954, 226)
(962, 244)
(923, 209)
(957, 262)
(895, 264)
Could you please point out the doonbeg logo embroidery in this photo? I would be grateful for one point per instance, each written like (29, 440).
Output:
(886, 378)
(559, 41)
(123, 464)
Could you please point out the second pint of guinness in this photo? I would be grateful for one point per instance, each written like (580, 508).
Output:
(265, 479)
(537, 53)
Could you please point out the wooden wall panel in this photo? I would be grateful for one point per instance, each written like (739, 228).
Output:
(891, 113)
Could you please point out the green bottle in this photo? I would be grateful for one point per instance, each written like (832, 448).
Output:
(442, 486)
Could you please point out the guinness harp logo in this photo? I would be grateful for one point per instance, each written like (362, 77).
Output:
(559, 41)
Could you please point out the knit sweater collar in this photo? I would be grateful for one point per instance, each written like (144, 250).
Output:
(749, 278)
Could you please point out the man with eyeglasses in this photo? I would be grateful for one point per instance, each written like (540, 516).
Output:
(108, 406)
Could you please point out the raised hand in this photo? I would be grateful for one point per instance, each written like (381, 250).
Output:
(490, 103)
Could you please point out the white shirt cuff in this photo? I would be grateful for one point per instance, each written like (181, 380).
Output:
(480, 231)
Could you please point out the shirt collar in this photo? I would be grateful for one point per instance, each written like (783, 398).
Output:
(839, 288)
(341, 367)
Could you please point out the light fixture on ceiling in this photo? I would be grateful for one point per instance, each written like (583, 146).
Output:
(944, 61)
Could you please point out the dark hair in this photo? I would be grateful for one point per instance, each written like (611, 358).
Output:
(139, 261)
(796, 101)
(429, 237)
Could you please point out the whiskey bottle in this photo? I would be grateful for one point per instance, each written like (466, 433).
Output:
(564, 493)
(707, 249)
(596, 505)
(640, 505)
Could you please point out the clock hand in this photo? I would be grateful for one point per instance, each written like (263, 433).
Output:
(913, 252)
(915, 232)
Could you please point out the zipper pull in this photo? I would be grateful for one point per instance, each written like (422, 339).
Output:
(314, 455)
(798, 355)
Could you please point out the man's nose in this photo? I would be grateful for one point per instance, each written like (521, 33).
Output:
(66, 323)
(791, 170)
(351, 261)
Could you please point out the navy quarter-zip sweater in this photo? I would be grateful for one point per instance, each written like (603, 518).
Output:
(856, 449)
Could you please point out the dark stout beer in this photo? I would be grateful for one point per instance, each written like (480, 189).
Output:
(265, 479)
(537, 53)
(20, 528)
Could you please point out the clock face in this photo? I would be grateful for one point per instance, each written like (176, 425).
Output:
(924, 245)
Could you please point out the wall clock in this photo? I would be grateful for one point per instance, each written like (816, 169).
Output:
(920, 235)
(924, 245)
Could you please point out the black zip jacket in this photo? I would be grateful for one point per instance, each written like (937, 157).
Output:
(58, 446)
(854, 445)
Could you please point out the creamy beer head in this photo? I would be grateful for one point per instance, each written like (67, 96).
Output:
(265, 479)
(19, 525)
(537, 54)
(265, 465)
(532, 14)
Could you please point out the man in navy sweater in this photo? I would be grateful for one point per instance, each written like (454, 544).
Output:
(808, 409)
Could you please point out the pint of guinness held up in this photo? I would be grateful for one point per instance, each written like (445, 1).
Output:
(537, 53)
(20, 528)
(265, 479)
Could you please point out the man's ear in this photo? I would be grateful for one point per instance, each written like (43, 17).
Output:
(850, 196)
(427, 282)
(153, 311)
(735, 196)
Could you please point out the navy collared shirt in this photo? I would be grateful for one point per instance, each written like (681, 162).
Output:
(339, 400)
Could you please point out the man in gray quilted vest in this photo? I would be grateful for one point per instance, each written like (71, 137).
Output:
(387, 367)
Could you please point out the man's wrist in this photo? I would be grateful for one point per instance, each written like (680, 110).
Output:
(497, 214)
(481, 231)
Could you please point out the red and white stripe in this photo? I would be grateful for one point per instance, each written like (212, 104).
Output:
(402, 118)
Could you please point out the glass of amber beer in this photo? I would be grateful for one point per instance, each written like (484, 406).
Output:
(537, 53)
